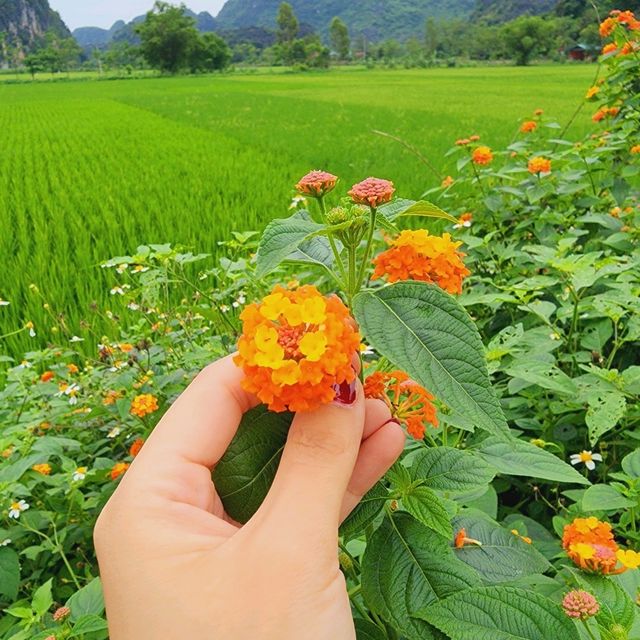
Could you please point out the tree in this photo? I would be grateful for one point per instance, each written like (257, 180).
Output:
(34, 64)
(210, 53)
(430, 37)
(339, 38)
(525, 37)
(287, 23)
(167, 37)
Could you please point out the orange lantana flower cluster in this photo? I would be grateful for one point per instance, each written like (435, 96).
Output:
(528, 126)
(372, 192)
(539, 165)
(408, 402)
(589, 542)
(481, 155)
(144, 404)
(317, 183)
(118, 470)
(617, 17)
(44, 468)
(605, 112)
(416, 255)
(296, 348)
(136, 445)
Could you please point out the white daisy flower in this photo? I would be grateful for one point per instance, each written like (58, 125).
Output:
(224, 308)
(121, 268)
(120, 364)
(587, 457)
(6, 542)
(114, 433)
(117, 291)
(76, 339)
(25, 364)
(133, 306)
(140, 269)
(79, 474)
(17, 507)
(4, 303)
(297, 200)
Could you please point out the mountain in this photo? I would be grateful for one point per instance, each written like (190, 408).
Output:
(121, 31)
(375, 19)
(498, 11)
(23, 24)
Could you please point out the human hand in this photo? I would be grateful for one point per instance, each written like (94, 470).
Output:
(175, 566)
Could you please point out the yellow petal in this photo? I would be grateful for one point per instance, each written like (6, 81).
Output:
(313, 345)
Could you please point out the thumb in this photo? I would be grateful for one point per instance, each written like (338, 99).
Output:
(316, 466)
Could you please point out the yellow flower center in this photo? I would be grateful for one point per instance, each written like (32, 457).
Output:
(586, 456)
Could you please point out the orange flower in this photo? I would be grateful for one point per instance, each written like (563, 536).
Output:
(44, 468)
(464, 221)
(605, 112)
(144, 404)
(607, 26)
(125, 347)
(135, 447)
(118, 470)
(461, 540)
(538, 112)
(416, 255)
(592, 91)
(528, 126)
(609, 48)
(296, 348)
(474, 138)
(408, 402)
(447, 182)
(627, 48)
(111, 397)
(317, 184)
(635, 148)
(72, 368)
(590, 544)
(482, 155)
(539, 165)
(463, 142)
(615, 212)
(46, 376)
(372, 192)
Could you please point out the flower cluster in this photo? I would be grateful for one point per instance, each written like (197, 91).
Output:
(616, 17)
(580, 604)
(605, 112)
(118, 470)
(408, 402)
(372, 192)
(482, 155)
(134, 450)
(590, 544)
(143, 405)
(317, 184)
(529, 126)
(416, 255)
(296, 347)
(43, 469)
(539, 165)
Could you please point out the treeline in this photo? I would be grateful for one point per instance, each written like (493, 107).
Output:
(168, 40)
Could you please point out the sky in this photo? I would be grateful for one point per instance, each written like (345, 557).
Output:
(103, 13)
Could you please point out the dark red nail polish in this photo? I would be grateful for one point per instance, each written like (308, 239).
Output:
(345, 393)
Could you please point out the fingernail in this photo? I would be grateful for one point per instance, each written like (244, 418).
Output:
(345, 393)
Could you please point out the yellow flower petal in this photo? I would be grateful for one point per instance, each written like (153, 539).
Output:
(313, 345)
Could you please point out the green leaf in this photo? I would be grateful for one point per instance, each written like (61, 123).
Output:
(366, 630)
(603, 497)
(9, 573)
(631, 464)
(500, 613)
(88, 624)
(409, 208)
(315, 251)
(503, 556)
(88, 601)
(406, 566)
(14, 472)
(282, 237)
(245, 473)
(543, 374)
(520, 458)
(427, 333)
(616, 607)
(425, 506)
(366, 511)
(605, 411)
(448, 469)
(42, 598)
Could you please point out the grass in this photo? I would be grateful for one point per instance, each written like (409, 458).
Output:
(93, 169)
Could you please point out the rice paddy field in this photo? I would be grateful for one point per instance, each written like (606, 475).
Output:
(92, 169)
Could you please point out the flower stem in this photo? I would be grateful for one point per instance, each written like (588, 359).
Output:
(332, 242)
(367, 252)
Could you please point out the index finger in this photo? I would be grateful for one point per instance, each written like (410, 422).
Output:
(202, 422)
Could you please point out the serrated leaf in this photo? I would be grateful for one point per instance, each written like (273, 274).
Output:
(543, 374)
(244, 474)
(88, 601)
(365, 512)
(88, 624)
(427, 210)
(604, 412)
(519, 458)
(631, 464)
(503, 556)
(425, 506)
(427, 333)
(9, 573)
(42, 598)
(405, 567)
(616, 607)
(448, 469)
(366, 630)
(281, 237)
(500, 613)
(603, 497)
